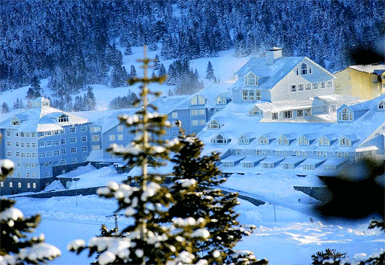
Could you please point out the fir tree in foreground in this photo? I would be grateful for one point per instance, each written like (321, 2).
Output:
(144, 199)
(15, 248)
(209, 202)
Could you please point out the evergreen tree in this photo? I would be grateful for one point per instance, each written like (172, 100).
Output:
(35, 85)
(89, 99)
(207, 201)
(162, 70)
(4, 108)
(15, 248)
(144, 198)
(210, 72)
(132, 72)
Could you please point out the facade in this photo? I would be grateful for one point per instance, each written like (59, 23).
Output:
(276, 78)
(248, 145)
(39, 140)
(362, 81)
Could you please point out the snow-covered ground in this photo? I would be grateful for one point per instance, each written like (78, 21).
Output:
(284, 235)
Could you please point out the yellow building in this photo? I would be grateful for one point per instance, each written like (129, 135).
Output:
(362, 81)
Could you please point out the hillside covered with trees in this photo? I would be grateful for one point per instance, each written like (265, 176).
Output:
(74, 43)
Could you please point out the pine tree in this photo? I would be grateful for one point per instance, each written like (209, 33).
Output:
(210, 72)
(207, 201)
(15, 248)
(89, 99)
(132, 72)
(144, 198)
(4, 108)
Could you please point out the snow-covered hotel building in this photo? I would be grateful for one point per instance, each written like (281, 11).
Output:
(41, 139)
(286, 116)
(280, 114)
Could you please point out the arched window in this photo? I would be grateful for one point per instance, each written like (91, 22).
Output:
(198, 100)
(62, 118)
(251, 80)
(344, 141)
(345, 115)
(214, 125)
(243, 140)
(303, 69)
(381, 105)
(323, 141)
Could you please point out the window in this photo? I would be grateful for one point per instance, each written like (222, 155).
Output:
(95, 129)
(300, 113)
(84, 149)
(8, 133)
(19, 184)
(175, 134)
(42, 154)
(49, 143)
(28, 185)
(83, 138)
(28, 145)
(293, 88)
(34, 155)
(74, 160)
(73, 140)
(17, 144)
(33, 134)
(9, 153)
(194, 112)
(315, 85)
(324, 141)
(63, 162)
(111, 137)
(22, 154)
(263, 140)
(83, 129)
(274, 116)
(194, 122)
(345, 115)
(301, 87)
(219, 139)
(17, 154)
(251, 80)
(72, 129)
(56, 142)
(73, 150)
(47, 174)
(283, 141)
(381, 105)
(28, 155)
(198, 100)
(10, 184)
(22, 144)
(345, 142)
(221, 100)
(330, 83)
(56, 152)
(323, 84)
(95, 138)
(15, 122)
(8, 143)
(96, 147)
(174, 115)
(120, 137)
(63, 141)
(33, 145)
(49, 153)
(34, 185)
(303, 69)
(243, 140)
(62, 118)
(214, 125)
(307, 112)
(308, 86)
(49, 133)
(288, 114)
(255, 111)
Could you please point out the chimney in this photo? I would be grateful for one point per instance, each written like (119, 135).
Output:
(273, 54)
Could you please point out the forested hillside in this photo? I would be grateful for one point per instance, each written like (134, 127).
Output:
(74, 42)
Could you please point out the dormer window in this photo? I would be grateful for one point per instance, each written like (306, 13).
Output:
(198, 100)
(219, 139)
(221, 100)
(345, 115)
(345, 142)
(251, 80)
(303, 141)
(214, 125)
(283, 141)
(15, 121)
(243, 140)
(381, 106)
(263, 140)
(62, 118)
(255, 111)
(323, 141)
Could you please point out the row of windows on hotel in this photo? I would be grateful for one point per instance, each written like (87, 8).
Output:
(263, 140)
(299, 153)
(72, 150)
(252, 95)
(72, 129)
(19, 185)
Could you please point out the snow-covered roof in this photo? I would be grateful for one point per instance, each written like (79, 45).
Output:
(313, 161)
(253, 159)
(335, 161)
(210, 93)
(284, 105)
(233, 158)
(370, 68)
(166, 104)
(40, 119)
(293, 160)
